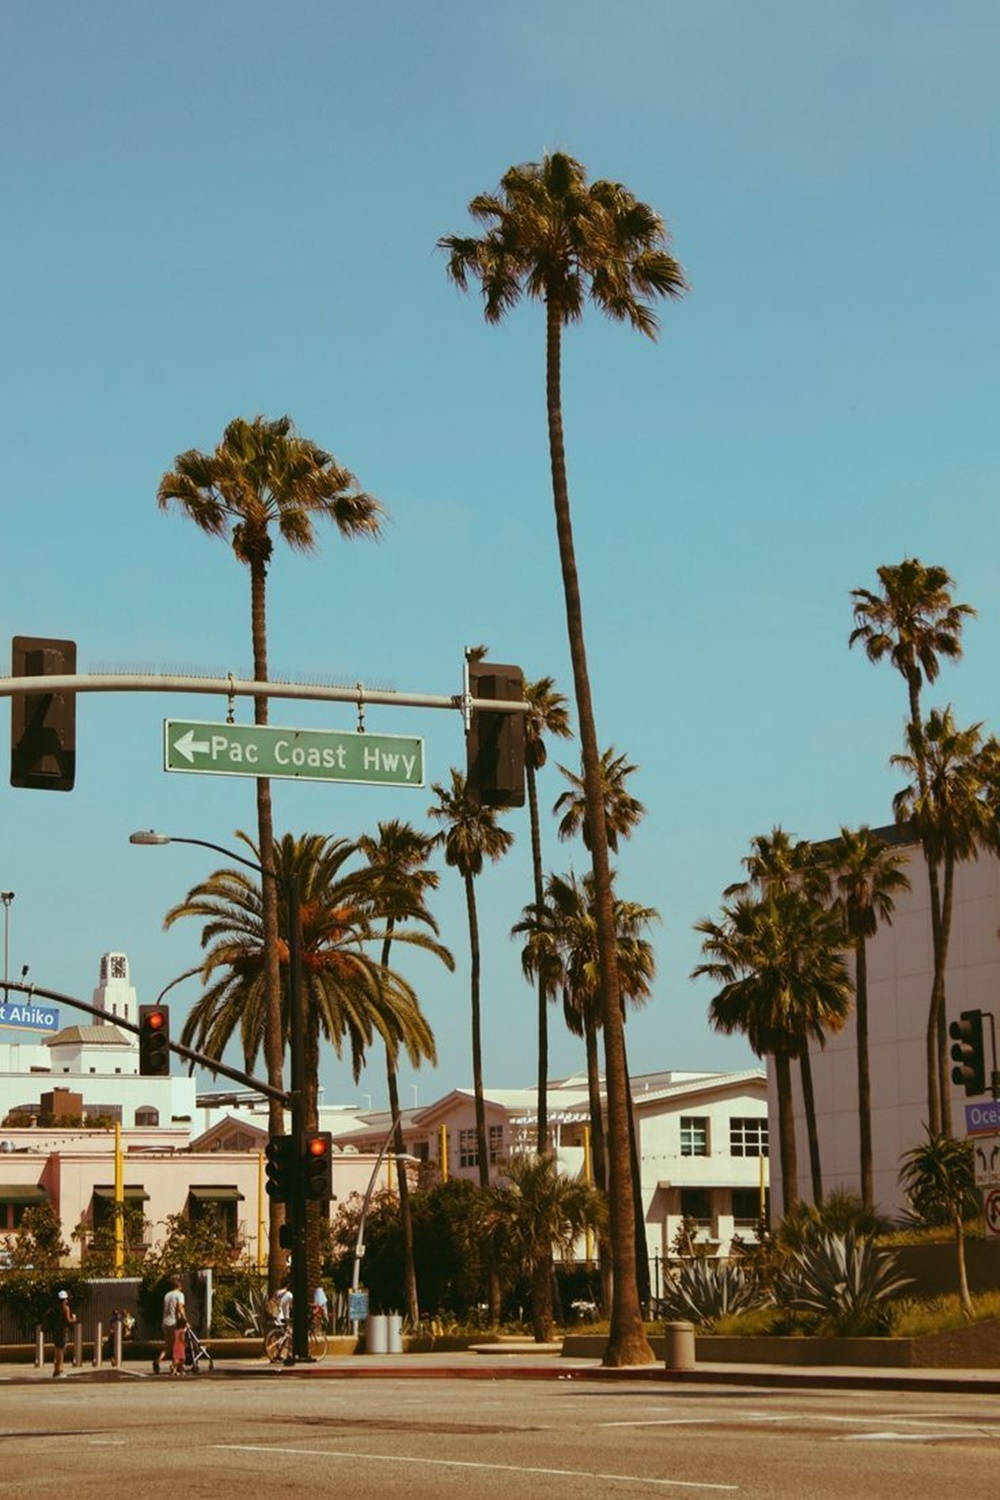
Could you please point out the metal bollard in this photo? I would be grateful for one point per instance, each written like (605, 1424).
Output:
(119, 1335)
(78, 1345)
(680, 1346)
(39, 1347)
(98, 1345)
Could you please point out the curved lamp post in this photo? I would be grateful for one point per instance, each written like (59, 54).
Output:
(296, 1027)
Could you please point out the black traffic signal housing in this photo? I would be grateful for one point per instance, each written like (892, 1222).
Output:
(154, 1041)
(967, 1052)
(317, 1166)
(43, 725)
(495, 741)
(281, 1166)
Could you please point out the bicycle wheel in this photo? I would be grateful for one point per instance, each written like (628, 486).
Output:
(274, 1345)
(318, 1343)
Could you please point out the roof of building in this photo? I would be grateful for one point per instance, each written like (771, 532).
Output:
(90, 1036)
(700, 1084)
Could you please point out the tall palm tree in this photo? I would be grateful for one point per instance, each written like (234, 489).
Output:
(622, 811)
(782, 978)
(915, 623)
(349, 997)
(398, 858)
(553, 237)
(867, 875)
(778, 864)
(264, 476)
(952, 803)
(563, 942)
(547, 716)
(470, 835)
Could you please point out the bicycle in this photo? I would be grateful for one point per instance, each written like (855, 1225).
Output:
(278, 1342)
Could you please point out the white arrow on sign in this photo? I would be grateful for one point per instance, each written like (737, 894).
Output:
(188, 746)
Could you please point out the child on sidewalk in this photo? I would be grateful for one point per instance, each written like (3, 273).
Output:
(178, 1352)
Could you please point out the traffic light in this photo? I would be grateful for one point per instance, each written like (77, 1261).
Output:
(967, 1035)
(281, 1166)
(495, 742)
(154, 1041)
(317, 1166)
(43, 725)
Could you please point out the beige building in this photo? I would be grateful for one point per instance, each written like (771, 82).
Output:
(900, 972)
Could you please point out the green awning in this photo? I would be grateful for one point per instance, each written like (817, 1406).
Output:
(20, 1192)
(216, 1194)
(130, 1194)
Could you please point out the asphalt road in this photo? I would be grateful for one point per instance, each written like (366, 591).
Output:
(483, 1440)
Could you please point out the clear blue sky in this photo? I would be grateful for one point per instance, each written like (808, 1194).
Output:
(219, 209)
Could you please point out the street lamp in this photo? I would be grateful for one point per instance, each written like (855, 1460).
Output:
(296, 1027)
(6, 897)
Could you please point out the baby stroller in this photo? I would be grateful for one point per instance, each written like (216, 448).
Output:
(194, 1352)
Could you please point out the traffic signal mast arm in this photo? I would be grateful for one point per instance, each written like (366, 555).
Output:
(210, 1064)
(114, 682)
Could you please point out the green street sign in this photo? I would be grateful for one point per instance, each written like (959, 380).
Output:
(299, 754)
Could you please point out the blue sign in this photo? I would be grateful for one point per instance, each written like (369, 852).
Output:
(357, 1304)
(984, 1118)
(29, 1015)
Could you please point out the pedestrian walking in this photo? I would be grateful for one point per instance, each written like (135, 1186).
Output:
(62, 1321)
(173, 1308)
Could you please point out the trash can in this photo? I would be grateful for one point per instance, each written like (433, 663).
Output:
(394, 1332)
(680, 1346)
(376, 1334)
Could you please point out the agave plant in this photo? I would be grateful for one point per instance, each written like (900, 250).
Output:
(845, 1280)
(703, 1291)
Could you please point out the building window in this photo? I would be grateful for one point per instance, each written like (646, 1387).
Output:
(468, 1151)
(496, 1144)
(147, 1115)
(748, 1137)
(746, 1208)
(696, 1204)
(421, 1149)
(694, 1135)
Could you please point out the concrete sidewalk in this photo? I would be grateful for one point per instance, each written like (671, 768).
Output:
(495, 1364)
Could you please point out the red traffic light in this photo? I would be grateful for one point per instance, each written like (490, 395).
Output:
(156, 1019)
(317, 1145)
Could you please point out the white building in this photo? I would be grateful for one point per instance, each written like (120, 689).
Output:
(701, 1137)
(92, 1069)
(900, 973)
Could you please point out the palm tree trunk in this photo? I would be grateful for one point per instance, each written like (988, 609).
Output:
(274, 1046)
(933, 1047)
(405, 1215)
(940, 967)
(933, 1050)
(542, 1126)
(482, 1149)
(597, 1152)
(864, 1072)
(812, 1133)
(964, 1296)
(541, 1299)
(641, 1248)
(627, 1343)
(786, 1133)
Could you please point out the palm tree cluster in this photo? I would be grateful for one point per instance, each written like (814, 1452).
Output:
(552, 236)
(778, 952)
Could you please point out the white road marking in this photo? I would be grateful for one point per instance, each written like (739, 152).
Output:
(666, 1422)
(454, 1463)
(906, 1437)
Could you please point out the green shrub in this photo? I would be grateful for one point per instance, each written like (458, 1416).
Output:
(703, 1291)
(844, 1282)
